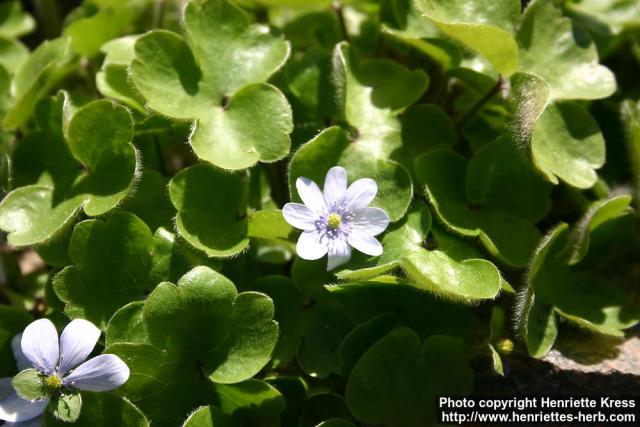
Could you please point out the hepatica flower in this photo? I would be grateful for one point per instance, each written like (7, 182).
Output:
(336, 220)
(60, 368)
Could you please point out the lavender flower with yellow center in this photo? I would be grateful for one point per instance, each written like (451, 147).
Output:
(336, 219)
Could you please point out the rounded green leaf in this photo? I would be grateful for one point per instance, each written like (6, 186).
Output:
(253, 126)
(484, 197)
(111, 260)
(486, 26)
(217, 78)
(396, 381)
(468, 280)
(201, 334)
(94, 170)
(212, 209)
(567, 144)
(113, 78)
(562, 54)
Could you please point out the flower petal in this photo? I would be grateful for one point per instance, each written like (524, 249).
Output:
(360, 194)
(21, 360)
(310, 246)
(34, 422)
(102, 373)
(371, 221)
(76, 344)
(339, 253)
(40, 345)
(365, 243)
(310, 194)
(335, 184)
(299, 216)
(13, 408)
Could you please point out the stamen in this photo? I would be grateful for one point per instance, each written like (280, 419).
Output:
(334, 220)
(53, 382)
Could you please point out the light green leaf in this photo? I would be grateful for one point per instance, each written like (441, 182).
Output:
(14, 22)
(12, 54)
(484, 197)
(66, 407)
(112, 260)
(200, 332)
(567, 144)
(89, 33)
(113, 80)
(396, 381)
(485, 26)
(562, 54)
(92, 167)
(212, 209)
(469, 280)
(447, 270)
(46, 65)
(239, 119)
(28, 385)
(607, 17)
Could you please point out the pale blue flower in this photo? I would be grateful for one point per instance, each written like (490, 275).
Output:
(334, 221)
(62, 363)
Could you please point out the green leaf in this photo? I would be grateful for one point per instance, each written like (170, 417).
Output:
(102, 410)
(567, 144)
(93, 169)
(396, 381)
(483, 197)
(485, 26)
(12, 322)
(557, 275)
(238, 118)
(35, 78)
(66, 407)
(216, 225)
(208, 416)
(113, 79)
(127, 325)
(199, 333)
(28, 385)
(431, 270)
(112, 260)
(266, 224)
(150, 201)
(608, 18)
(12, 55)
(89, 33)
(597, 214)
(473, 279)
(14, 22)
(562, 54)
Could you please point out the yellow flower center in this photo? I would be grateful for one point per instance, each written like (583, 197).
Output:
(53, 382)
(334, 220)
